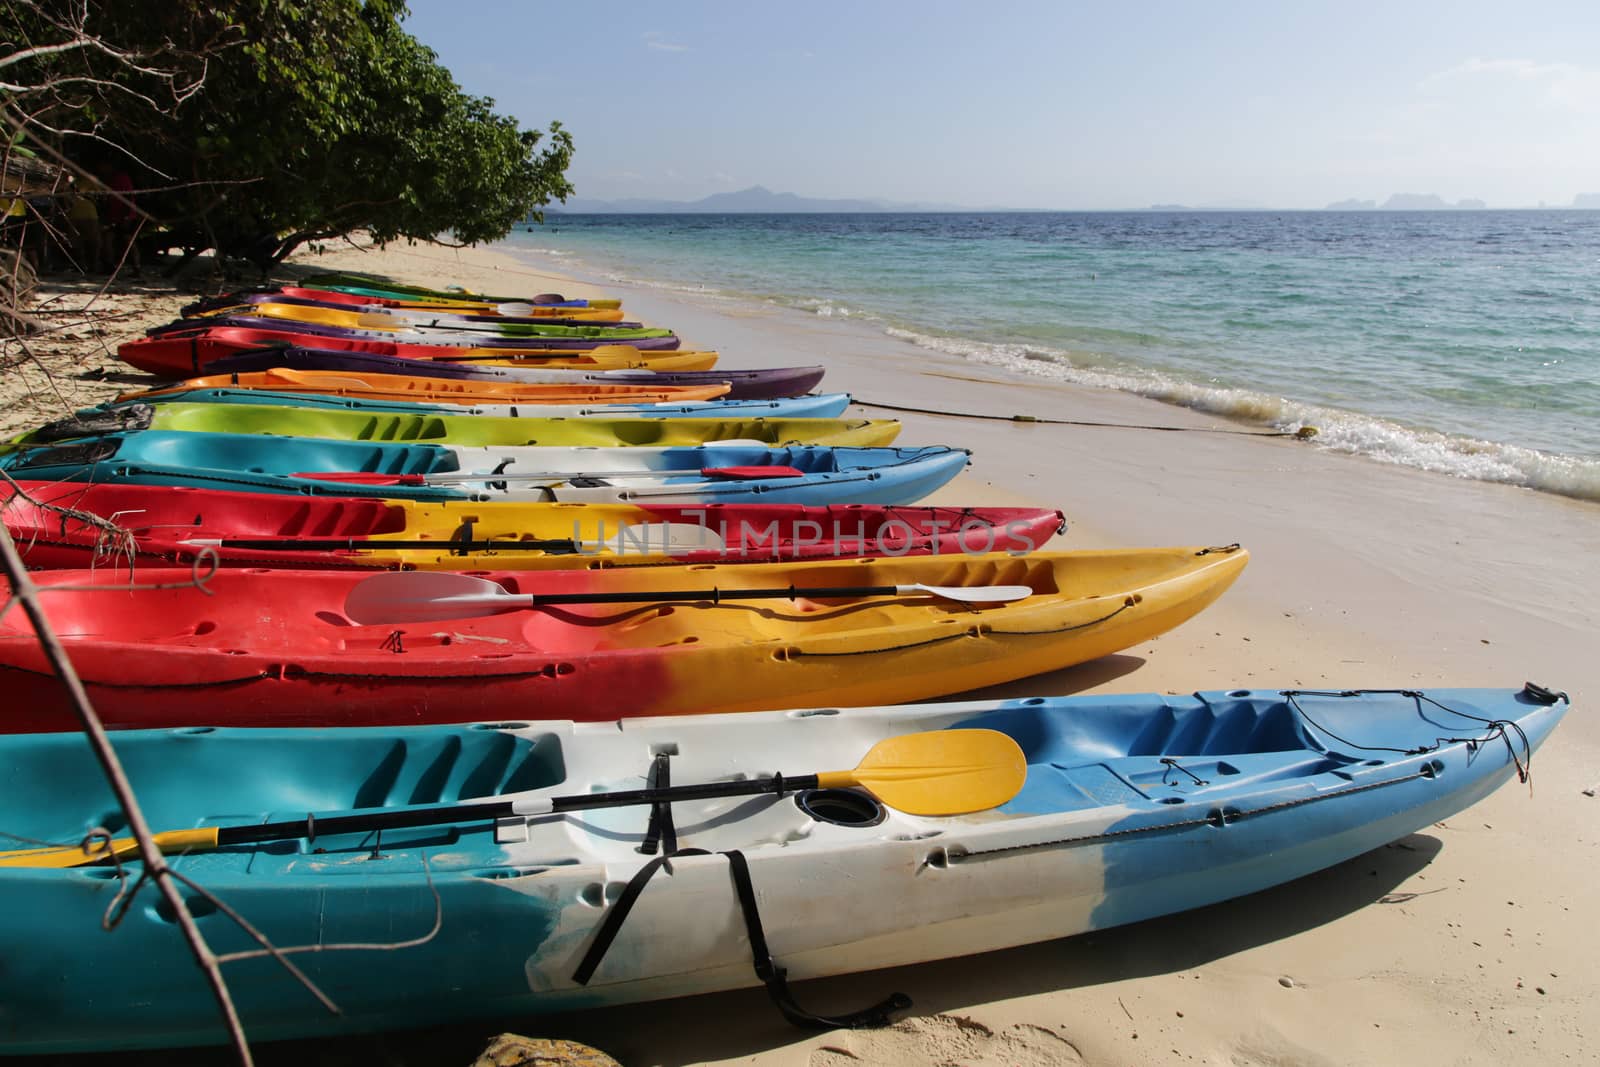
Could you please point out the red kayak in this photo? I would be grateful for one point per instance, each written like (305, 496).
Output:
(166, 522)
(186, 353)
(263, 647)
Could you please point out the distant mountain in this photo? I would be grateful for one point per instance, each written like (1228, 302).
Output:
(1590, 201)
(1415, 202)
(756, 200)
(1408, 202)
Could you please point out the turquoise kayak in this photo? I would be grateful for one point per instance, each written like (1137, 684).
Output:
(463, 872)
(708, 474)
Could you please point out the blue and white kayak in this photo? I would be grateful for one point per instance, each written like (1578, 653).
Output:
(815, 475)
(815, 406)
(1132, 807)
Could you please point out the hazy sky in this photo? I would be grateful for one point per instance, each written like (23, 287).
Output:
(1288, 104)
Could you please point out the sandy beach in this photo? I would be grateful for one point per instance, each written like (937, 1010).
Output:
(1463, 944)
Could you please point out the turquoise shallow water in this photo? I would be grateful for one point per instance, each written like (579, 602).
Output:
(1466, 343)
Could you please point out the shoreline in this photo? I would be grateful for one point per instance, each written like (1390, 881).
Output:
(1452, 446)
(1363, 574)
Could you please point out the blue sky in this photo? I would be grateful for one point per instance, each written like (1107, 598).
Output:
(1049, 105)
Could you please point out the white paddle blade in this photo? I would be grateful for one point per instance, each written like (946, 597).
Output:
(424, 596)
(656, 538)
(971, 594)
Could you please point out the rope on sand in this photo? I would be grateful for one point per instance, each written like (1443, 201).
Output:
(1304, 433)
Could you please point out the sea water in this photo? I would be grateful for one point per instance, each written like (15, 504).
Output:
(1462, 342)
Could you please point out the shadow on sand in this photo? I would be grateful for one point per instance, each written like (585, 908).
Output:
(743, 1023)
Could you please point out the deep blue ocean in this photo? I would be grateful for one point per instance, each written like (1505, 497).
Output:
(1466, 343)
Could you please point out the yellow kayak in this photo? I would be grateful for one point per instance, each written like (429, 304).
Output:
(278, 647)
(441, 325)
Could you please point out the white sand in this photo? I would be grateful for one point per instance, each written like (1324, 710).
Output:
(1466, 943)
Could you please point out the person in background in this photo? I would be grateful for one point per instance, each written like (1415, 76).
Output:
(84, 230)
(121, 220)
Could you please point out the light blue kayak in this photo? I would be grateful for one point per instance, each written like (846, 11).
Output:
(1132, 807)
(709, 474)
(813, 406)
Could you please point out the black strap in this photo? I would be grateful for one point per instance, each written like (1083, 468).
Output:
(619, 911)
(776, 978)
(660, 833)
(773, 976)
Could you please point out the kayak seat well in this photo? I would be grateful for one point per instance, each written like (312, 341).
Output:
(1078, 760)
(461, 765)
(1185, 726)
(222, 776)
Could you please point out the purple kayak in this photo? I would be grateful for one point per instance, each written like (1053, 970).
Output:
(664, 343)
(766, 383)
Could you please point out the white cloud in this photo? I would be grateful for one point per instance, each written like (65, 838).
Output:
(655, 39)
(1559, 86)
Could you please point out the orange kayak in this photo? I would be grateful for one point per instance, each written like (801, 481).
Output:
(370, 386)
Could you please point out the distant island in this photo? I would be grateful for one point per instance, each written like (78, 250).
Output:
(756, 200)
(1433, 202)
(1409, 202)
(759, 200)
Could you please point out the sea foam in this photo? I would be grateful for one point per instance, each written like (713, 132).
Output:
(1337, 430)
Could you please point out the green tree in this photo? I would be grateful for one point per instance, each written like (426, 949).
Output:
(285, 121)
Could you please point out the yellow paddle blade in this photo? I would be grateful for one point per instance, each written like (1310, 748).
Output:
(940, 772)
(122, 848)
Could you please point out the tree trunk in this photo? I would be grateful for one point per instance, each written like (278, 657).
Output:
(17, 283)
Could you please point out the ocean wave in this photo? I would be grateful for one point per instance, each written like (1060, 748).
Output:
(1337, 430)
(826, 308)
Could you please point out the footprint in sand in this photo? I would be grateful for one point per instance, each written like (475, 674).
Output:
(949, 1041)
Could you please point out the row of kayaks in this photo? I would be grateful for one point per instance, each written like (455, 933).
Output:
(427, 623)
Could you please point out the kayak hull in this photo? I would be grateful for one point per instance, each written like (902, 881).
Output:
(428, 322)
(184, 351)
(164, 521)
(1103, 834)
(262, 647)
(376, 304)
(363, 284)
(410, 389)
(315, 467)
(751, 384)
(814, 406)
(466, 430)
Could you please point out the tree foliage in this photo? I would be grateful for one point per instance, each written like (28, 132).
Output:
(275, 122)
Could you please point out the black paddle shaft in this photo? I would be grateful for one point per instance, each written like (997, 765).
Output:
(716, 596)
(312, 826)
(326, 544)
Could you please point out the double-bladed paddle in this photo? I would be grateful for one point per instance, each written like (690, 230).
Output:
(685, 535)
(429, 596)
(738, 473)
(940, 772)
